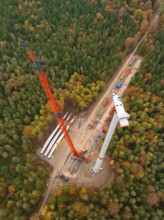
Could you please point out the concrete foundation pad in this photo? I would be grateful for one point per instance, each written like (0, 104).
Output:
(87, 177)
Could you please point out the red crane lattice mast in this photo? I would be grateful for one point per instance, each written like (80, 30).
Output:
(44, 82)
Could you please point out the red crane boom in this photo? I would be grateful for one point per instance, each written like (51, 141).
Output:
(43, 80)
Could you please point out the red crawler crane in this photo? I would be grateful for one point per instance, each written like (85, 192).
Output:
(43, 80)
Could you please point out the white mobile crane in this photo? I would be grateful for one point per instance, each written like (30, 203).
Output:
(119, 116)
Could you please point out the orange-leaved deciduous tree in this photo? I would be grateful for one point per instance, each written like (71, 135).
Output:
(99, 16)
(83, 191)
(11, 189)
(46, 213)
(79, 206)
(128, 42)
(113, 208)
(27, 131)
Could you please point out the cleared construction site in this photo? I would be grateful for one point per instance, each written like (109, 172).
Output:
(87, 132)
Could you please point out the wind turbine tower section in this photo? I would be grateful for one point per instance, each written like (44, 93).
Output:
(119, 116)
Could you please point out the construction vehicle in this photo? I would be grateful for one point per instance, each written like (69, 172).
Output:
(107, 119)
(106, 103)
(122, 76)
(65, 178)
(132, 61)
(118, 85)
(45, 85)
(128, 71)
(119, 116)
(104, 130)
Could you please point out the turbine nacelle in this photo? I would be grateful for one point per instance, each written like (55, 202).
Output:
(120, 111)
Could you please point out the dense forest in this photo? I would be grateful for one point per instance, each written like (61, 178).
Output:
(137, 192)
(83, 42)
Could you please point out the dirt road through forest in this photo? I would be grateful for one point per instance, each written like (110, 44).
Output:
(85, 136)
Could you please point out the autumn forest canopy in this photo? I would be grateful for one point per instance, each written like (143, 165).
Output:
(83, 43)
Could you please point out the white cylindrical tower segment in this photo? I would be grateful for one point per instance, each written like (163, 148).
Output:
(107, 140)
